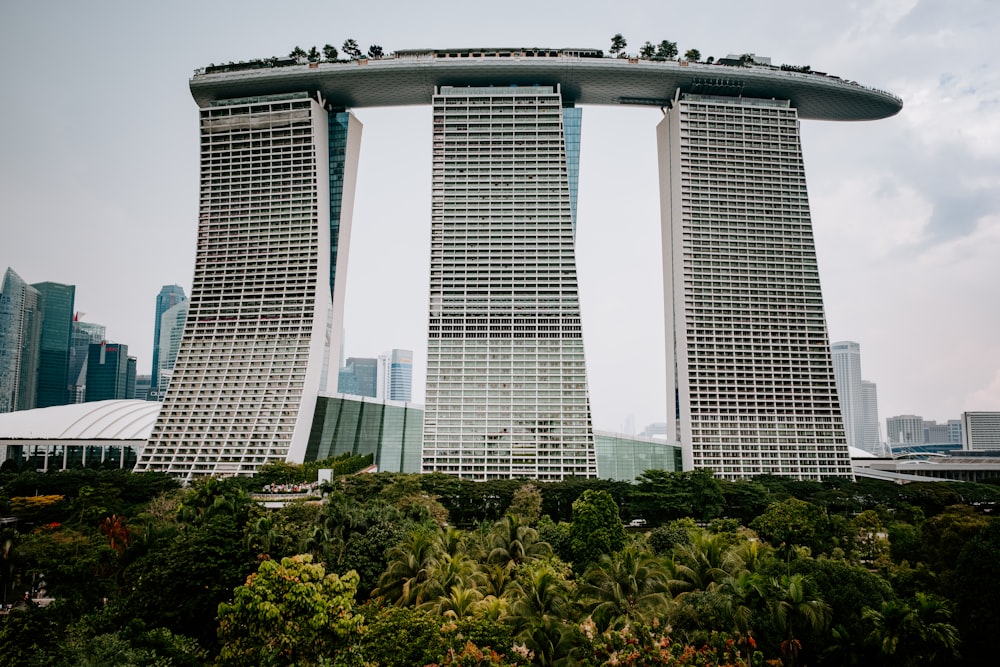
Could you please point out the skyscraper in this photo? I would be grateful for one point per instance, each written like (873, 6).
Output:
(506, 380)
(847, 371)
(20, 333)
(869, 408)
(169, 296)
(55, 343)
(171, 331)
(507, 391)
(277, 176)
(84, 333)
(748, 354)
(110, 372)
(400, 376)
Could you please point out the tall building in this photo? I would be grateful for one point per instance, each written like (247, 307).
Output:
(847, 372)
(904, 430)
(748, 353)
(506, 386)
(277, 189)
(110, 372)
(84, 333)
(171, 330)
(872, 426)
(359, 377)
(169, 296)
(981, 431)
(400, 376)
(20, 335)
(506, 380)
(55, 343)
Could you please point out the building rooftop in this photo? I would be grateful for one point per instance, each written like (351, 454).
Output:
(409, 78)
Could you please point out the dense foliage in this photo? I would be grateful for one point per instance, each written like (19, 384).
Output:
(676, 569)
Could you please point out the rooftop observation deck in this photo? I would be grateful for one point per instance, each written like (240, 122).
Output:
(409, 78)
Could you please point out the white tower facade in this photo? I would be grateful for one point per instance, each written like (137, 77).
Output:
(872, 427)
(749, 367)
(277, 184)
(847, 371)
(506, 380)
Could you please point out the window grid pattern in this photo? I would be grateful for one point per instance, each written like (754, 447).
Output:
(757, 390)
(506, 379)
(239, 379)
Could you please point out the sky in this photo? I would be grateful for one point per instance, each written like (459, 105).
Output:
(99, 172)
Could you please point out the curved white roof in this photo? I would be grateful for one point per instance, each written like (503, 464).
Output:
(100, 420)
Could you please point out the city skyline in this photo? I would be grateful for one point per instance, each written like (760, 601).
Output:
(897, 225)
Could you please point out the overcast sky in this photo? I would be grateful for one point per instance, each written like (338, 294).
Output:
(99, 172)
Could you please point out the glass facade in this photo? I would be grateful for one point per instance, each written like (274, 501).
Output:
(55, 341)
(623, 458)
(391, 432)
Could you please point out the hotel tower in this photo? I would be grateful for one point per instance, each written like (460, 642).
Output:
(749, 374)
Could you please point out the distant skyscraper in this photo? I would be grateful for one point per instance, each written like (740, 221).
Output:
(904, 430)
(359, 377)
(20, 334)
(55, 343)
(749, 369)
(872, 426)
(169, 296)
(110, 374)
(142, 387)
(400, 376)
(171, 331)
(84, 333)
(847, 371)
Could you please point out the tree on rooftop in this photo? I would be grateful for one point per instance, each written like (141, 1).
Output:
(297, 52)
(618, 45)
(375, 51)
(694, 55)
(351, 49)
(666, 50)
(647, 50)
(313, 55)
(330, 52)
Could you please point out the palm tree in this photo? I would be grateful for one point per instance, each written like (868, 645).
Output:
(628, 586)
(542, 593)
(797, 614)
(405, 580)
(911, 635)
(702, 561)
(512, 543)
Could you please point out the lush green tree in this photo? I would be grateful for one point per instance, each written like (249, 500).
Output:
(871, 543)
(556, 535)
(179, 585)
(289, 613)
(330, 52)
(526, 504)
(297, 52)
(663, 539)
(976, 591)
(905, 543)
(794, 522)
(945, 534)
(647, 51)
(916, 633)
(406, 579)
(666, 50)
(798, 614)
(660, 495)
(512, 543)
(375, 51)
(629, 586)
(596, 529)
(694, 55)
(618, 45)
